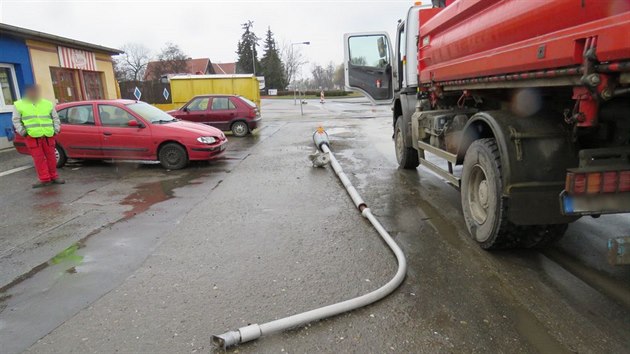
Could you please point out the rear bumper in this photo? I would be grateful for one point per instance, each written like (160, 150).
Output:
(595, 204)
(20, 146)
(254, 123)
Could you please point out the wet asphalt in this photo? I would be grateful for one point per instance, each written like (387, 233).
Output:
(133, 258)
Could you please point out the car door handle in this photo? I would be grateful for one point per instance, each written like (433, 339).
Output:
(107, 133)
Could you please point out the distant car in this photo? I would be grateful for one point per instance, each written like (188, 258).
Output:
(225, 112)
(130, 130)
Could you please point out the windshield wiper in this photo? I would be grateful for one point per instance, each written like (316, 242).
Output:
(161, 121)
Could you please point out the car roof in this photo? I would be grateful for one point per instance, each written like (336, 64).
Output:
(216, 95)
(117, 101)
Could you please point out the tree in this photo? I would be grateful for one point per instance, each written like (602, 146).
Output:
(323, 76)
(339, 77)
(271, 66)
(293, 60)
(246, 50)
(171, 60)
(131, 65)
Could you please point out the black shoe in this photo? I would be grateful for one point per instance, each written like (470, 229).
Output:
(59, 181)
(41, 184)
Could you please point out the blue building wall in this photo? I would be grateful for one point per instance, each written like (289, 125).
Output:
(14, 51)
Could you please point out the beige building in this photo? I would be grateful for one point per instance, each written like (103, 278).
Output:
(66, 69)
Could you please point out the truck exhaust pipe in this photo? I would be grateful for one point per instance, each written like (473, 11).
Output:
(255, 331)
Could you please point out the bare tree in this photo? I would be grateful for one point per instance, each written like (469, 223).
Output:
(171, 60)
(131, 65)
(293, 60)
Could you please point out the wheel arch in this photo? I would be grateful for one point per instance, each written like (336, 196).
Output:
(535, 153)
(169, 141)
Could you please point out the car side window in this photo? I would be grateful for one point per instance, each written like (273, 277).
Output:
(77, 115)
(112, 116)
(198, 104)
(222, 103)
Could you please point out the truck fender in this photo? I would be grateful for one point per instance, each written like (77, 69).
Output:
(535, 154)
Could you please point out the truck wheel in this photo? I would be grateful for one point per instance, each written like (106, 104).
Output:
(407, 157)
(543, 235)
(60, 155)
(240, 129)
(481, 190)
(173, 156)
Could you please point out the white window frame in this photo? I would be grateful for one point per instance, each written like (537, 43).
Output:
(4, 108)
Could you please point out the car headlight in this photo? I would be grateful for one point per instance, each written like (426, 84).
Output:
(207, 140)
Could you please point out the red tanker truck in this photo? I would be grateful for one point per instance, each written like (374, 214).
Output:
(524, 106)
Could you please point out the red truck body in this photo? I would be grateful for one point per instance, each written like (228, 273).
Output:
(476, 38)
(531, 97)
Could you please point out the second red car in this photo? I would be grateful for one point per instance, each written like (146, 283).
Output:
(225, 112)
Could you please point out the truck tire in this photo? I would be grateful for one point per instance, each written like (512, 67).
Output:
(484, 209)
(407, 157)
(173, 156)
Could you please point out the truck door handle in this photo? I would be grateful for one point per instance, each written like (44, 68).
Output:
(107, 133)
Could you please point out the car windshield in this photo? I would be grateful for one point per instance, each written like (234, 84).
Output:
(250, 103)
(151, 113)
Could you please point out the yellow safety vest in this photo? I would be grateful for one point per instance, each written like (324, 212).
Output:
(36, 117)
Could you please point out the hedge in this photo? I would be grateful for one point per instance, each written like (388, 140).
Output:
(331, 93)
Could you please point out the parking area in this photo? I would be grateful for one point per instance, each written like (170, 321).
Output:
(135, 258)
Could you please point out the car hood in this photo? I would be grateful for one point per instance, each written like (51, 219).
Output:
(190, 127)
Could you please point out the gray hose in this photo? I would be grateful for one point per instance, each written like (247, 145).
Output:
(254, 331)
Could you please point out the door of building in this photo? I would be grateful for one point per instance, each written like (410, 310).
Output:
(93, 85)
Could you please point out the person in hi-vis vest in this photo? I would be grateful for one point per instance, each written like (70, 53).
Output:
(36, 120)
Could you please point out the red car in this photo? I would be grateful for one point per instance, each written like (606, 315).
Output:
(225, 112)
(130, 130)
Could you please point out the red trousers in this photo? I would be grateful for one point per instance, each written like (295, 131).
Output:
(43, 152)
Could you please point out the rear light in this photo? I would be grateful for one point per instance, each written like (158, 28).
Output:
(610, 182)
(624, 181)
(597, 182)
(594, 182)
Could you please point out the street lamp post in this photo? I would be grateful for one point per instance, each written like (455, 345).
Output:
(293, 74)
(254, 57)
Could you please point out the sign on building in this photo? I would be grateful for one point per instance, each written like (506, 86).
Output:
(76, 59)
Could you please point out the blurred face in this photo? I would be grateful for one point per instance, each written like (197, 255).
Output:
(32, 93)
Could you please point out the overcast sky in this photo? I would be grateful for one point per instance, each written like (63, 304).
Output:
(207, 28)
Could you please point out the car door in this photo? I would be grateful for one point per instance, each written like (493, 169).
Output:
(222, 112)
(121, 139)
(80, 137)
(197, 110)
(368, 65)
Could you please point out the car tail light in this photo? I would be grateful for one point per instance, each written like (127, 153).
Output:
(597, 182)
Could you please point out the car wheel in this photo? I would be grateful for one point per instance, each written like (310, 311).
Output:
(60, 156)
(407, 157)
(173, 156)
(240, 129)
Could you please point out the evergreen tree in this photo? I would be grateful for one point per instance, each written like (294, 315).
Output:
(246, 51)
(271, 64)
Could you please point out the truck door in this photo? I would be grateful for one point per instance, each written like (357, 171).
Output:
(368, 65)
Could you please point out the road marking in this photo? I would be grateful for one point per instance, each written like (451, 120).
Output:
(14, 170)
